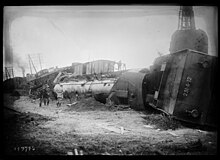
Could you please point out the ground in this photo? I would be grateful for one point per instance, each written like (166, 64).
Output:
(97, 129)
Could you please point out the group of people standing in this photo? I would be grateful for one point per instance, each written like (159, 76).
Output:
(44, 95)
(58, 93)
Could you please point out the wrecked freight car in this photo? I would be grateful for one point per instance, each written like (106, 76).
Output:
(183, 84)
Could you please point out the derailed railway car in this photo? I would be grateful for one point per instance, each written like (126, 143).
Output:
(183, 84)
(100, 89)
(128, 89)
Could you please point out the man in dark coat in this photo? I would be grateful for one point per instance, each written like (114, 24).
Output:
(44, 95)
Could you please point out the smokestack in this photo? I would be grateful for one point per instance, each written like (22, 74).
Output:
(23, 71)
(18, 62)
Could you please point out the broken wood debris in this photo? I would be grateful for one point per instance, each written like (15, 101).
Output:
(122, 130)
(148, 126)
(81, 152)
(173, 134)
(70, 153)
(106, 153)
(69, 105)
(76, 151)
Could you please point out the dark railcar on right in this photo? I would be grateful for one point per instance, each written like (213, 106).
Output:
(183, 84)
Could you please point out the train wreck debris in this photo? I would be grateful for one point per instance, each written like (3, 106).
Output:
(181, 84)
(128, 89)
(97, 106)
(185, 88)
(174, 84)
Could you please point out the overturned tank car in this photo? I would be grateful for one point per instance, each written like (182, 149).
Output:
(100, 89)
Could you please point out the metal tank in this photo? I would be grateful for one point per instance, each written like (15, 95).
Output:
(83, 86)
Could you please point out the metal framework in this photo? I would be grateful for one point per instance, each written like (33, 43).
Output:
(186, 18)
(9, 73)
(35, 62)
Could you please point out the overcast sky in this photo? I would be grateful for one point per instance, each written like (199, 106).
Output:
(66, 34)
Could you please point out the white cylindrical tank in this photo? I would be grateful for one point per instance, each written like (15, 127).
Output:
(96, 87)
(102, 86)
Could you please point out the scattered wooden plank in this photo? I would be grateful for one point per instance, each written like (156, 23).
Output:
(148, 126)
(173, 134)
(76, 151)
(69, 105)
(112, 128)
(70, 153)
(13, 110)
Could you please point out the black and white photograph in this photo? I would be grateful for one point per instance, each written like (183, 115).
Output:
(110, 80)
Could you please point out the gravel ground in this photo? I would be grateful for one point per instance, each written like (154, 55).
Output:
(96, 129)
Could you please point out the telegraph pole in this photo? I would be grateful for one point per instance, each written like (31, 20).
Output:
(40, 61)
(30, 64)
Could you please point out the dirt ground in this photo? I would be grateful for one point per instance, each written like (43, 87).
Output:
(93, 128)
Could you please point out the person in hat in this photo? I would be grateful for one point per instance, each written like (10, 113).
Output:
(59, 91)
